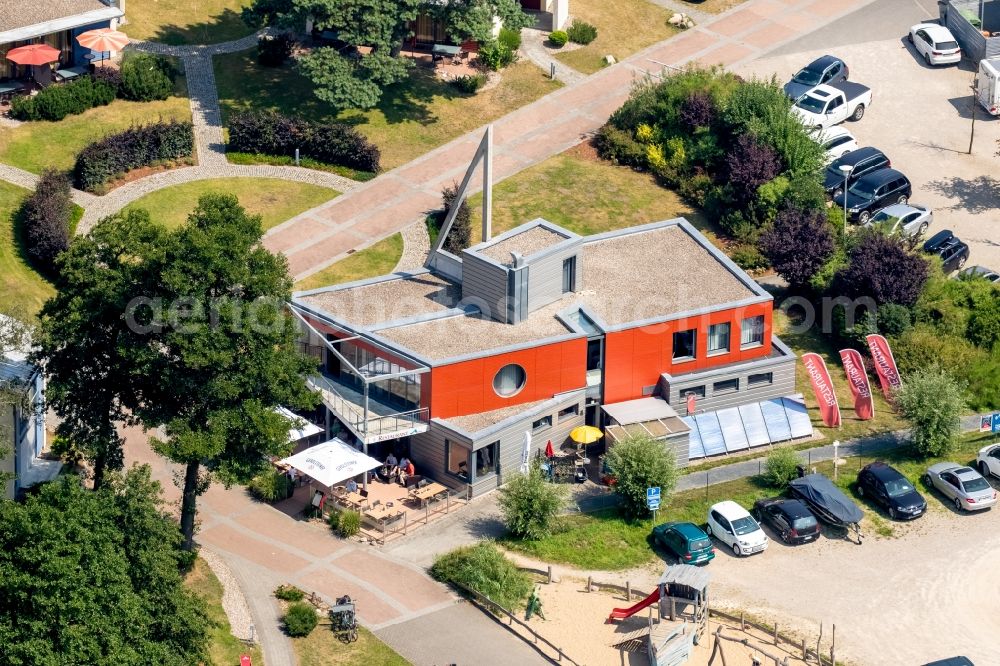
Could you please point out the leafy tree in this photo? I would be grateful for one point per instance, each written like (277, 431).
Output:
(781, 467)
(798, 245)
(460, 235)
(931, 400)
(221, 352)
(880, 267)
(85, 342)
(94, 578)
(349, 82)
(638, 463)
(472, 20)
(530, 504)
(45, 216)
(749, 165)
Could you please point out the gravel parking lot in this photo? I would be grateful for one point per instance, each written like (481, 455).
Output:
(920, 117)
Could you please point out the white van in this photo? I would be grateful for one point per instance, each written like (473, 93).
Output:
(988, 85)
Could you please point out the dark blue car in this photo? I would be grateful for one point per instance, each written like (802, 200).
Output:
(827, 69)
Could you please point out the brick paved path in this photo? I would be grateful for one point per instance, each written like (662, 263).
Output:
(535, 132)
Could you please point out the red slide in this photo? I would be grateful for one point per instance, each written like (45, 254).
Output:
(622, 613)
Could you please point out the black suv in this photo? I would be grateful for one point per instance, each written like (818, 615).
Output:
(891, 490)
(864, 160)
(790, 518)
(873, 192)
(953, 252)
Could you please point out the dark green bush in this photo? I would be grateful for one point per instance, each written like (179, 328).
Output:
(270, 486)
(558, 38)
(67, 99)
(496, 55)
(289, 593)
(349, 524)
(581, 32)
(45, 218)
(460, 234)
(136, 147)
(749, 257)
(146, 77)
(510, 38)
(469, 83)
(300, 619)
(484, 568)
(620, 147)
(269, 133)
(274, 50)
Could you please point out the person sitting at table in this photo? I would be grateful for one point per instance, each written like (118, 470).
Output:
(406, 471)
(352, 486)
(393, 466)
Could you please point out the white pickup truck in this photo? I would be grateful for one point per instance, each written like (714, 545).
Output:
(833, 103)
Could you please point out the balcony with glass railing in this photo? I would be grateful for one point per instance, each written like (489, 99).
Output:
(370, 418)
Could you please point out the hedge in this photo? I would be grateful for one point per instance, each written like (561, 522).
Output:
(269, 133)
(58, 101)
(45, 218)
(146, 77)
(116, 154)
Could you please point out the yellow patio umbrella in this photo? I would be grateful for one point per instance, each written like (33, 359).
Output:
(585, 434)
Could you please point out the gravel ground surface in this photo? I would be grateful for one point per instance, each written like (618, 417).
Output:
(233, 601)
(416, 247)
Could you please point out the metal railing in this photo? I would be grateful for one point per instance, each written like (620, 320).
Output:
(363, 422)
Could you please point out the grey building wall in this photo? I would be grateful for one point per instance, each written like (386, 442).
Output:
(783, 383)
(427, 450)
(545, 275)
(486, 282)
(974, 45)
(681, 448)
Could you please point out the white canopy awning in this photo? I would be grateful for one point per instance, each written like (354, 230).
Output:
(298, 431)
(331, 462)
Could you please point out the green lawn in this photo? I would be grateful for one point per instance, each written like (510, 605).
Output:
(413, 117)
(224, 649)
(274, 200)
(323, 648)
(373, 261)
(186, 21)
(33, 146)
(605, 541)
(21, 286)
(622, 29)
(582, 193)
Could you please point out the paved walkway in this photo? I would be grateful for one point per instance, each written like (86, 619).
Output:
(535, 132)
(533, 48)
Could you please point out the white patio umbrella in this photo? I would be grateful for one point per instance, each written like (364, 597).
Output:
(526, 453)
(331, 462)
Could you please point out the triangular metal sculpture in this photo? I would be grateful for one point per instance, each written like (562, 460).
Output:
(484, 156)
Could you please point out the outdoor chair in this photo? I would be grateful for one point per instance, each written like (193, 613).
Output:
(423, 483)
(376, 503)
(363, 492)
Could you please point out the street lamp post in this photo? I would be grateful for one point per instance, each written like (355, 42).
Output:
(845, 169)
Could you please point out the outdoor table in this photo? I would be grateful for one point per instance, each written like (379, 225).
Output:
(382, 513)
(8, 88)
(356, 500)
(70, 73)
(429, 492)
(441, 50)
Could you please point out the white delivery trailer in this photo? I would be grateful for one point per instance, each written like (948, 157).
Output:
(988, 85)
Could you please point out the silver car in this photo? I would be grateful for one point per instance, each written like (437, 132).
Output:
(962, 485)
(905, 219)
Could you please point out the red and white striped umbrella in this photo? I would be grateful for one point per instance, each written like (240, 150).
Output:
(103, 39)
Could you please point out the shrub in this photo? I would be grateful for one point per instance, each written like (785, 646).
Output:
(484, 568)
(146, 77)
(880, 267)
(274, 50)
(637, 463)
(697, 110)
(931, 400)
(749, 165)
(45, 218)
(349, 524)
(558, 38)
(781, 467)
(495, 55)
(110, 75)
(269, 133)
(530, 504)
(893, 320)
(469, 83)
(460, 234)
(289, 593)
(56, 102)
(748, 257)
(798, 245)
(581, 32)
(510, 38)
(618, 146)
(300, 619)
(270, 486)
(333, 520)
(136, 147)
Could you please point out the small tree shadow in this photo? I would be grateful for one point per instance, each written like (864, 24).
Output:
(976, 195)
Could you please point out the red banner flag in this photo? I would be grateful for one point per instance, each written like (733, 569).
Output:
(857, 378)
(823, 388)
(885, 364)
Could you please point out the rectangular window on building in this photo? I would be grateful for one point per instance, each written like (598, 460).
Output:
(594, 354)
(726, 386)
(760, 379)
(752, 331)
(572, 410)
(458, 459)
(684, 345)
(486, 460)
(698, 391)
(718, 338)
(569, 275)
(542, 423)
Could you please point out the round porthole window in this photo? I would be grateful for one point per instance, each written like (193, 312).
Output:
(509, 380)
